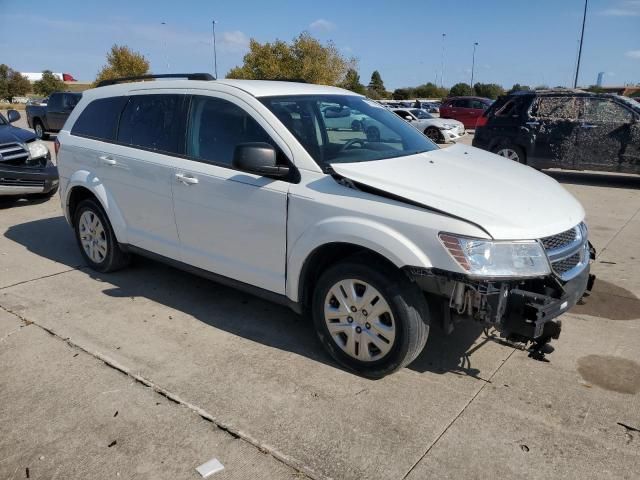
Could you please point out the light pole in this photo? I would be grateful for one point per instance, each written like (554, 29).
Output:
(442, 66)
(473, 61)
(166, 52)
(584, 19)
(215, 55)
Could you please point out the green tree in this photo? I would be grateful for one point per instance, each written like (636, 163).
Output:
(461, 90)
(123, 62)
(352, 82)
(48, 84)
(519, 88)
(430, 90)
(12, 83)
(488, 90)
(304, 59)
(402, 93)
(376, 89)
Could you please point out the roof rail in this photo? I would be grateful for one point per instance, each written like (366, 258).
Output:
(188, 76)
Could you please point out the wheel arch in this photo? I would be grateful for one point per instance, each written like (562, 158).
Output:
(83, 185)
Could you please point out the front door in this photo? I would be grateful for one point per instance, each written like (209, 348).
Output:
(229, 222)
(606, 137)
(553, 125)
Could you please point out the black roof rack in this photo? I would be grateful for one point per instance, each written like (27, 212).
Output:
(188, 76)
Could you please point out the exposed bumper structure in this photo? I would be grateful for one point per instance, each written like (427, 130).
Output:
(27, 180)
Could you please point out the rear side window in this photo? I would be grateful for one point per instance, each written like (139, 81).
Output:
(603, 110)
(216, 126)
(152, 122)
(99, 119)
(55, 102)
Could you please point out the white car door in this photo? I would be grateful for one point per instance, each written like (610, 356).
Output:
(229, 222)
(137, 170)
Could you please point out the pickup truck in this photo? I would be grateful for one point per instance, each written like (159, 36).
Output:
(51, 117)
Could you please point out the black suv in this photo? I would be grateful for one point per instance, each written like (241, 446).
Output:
(568, 129)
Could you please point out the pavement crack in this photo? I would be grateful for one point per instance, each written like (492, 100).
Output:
(446, 428)
(603, 249)
(77, 267)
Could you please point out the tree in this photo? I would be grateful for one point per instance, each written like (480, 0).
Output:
(123, 62)
(519, 88)
(402, 93)
(12, 83)
(352, 82)
(460, 90)
(430, 90)
(376, 89)
(48, 84)
(488, 90)
(304, 59)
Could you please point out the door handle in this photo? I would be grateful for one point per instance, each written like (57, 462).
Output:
(533, 124)
(107, 160)
(187, 180)
(587, 125)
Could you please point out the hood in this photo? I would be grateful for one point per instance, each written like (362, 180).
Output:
(439, 122)
(9, 134)
(508, 200)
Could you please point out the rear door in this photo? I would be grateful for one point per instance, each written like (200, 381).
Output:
(474, 111)
(56, 115)
(230, 222)
(553, 124)
(606, 137)
(138, 170)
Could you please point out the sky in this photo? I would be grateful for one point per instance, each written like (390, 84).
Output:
(532, 42)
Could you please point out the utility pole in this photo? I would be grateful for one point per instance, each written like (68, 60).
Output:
(442, 66)
(584, 19)
(215, 55)
(166, 52)
(473, 61)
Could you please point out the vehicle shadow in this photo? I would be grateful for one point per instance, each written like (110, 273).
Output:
(595, 179)
(228, 309)
(15, 202)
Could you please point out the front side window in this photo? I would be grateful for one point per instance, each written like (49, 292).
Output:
(55, 102)
(152, 122)
(603, 110)
(560, 108)
(217, 126)
(421, 114)
(380, 133)
(71, 100)
(99, 119)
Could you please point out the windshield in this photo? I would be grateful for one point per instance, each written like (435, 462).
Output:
(633, 103)
(347, 128)
(421, 113)
(3, 121)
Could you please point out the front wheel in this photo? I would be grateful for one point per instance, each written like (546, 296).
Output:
(369, 317)
(511, 152)
(434, 135)
(40, 132)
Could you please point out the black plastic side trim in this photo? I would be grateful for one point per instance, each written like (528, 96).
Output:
(229, 282)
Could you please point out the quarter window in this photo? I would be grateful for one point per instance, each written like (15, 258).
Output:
(99, 119)
(603, 110)
(216, 126)
(152, 122)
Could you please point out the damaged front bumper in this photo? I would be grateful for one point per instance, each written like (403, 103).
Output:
(20, 180)
(523, 311)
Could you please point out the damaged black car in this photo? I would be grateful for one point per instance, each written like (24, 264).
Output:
(26, 169)
(568, 129)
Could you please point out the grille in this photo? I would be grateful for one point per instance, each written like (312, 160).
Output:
(566, 264)
(13, 154)
(14, 182)
(559, 240)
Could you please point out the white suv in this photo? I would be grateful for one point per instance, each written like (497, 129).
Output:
(375, 237)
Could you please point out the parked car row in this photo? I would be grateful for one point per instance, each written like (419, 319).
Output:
(50, 117)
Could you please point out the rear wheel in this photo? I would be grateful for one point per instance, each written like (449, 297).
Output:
(434, 135)
(39, 129)
(369, 317)
(511, 152)
(98, 243)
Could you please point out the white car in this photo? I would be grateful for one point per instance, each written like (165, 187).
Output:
(374, 238)
(439, 130)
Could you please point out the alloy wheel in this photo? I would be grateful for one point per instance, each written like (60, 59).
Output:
(93, 236)
(39, 131)
(509, 153)
(359, 320)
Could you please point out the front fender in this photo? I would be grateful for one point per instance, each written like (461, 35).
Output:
(375, 236)
(86, 179)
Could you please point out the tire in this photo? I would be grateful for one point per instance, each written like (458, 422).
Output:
(434, 135)
(38, 127)
(373, 134)
(356, 126)
(105, 255)
(402, 324)
(511, 152)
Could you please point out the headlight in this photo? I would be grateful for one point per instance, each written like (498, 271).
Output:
(486, 258)
(37, 149)
(446, 126)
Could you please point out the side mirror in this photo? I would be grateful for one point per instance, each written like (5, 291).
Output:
(408, 118)
(13, 116)
(258, 158)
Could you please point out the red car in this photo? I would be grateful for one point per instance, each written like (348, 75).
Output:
(464, 109)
